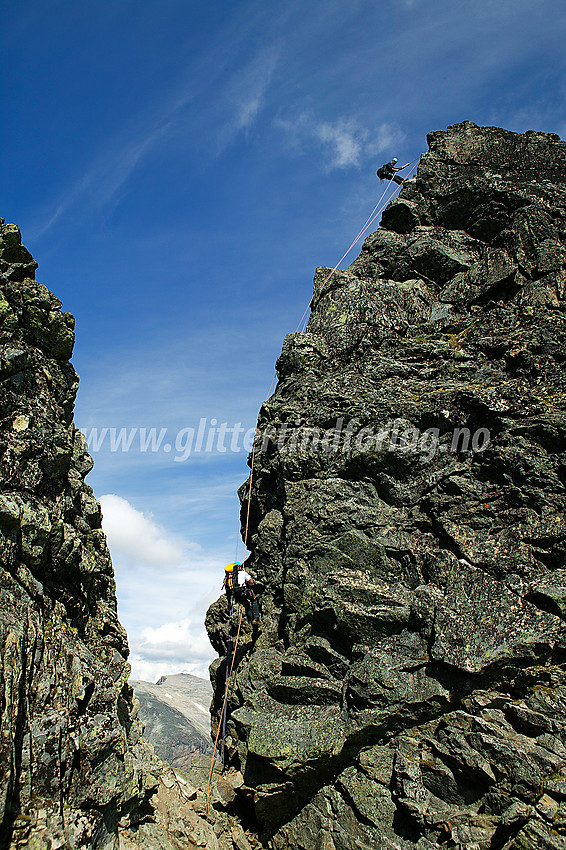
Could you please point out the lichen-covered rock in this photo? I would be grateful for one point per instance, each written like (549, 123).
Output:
(407, 532)
(75, 772)
(71, 761)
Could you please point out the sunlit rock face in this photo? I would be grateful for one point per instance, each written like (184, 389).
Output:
(407, 686)
(71, 761)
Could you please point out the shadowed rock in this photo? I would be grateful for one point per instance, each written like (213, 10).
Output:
(71, 761)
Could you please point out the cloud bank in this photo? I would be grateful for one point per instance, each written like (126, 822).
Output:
(164, 586)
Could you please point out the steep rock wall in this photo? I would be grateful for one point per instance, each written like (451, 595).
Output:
(407, 687)
(70, 750)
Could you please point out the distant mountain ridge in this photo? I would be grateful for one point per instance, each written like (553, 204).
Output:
(175, 711)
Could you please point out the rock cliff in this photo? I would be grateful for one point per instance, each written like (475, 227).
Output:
(70, 750)
(75, 772)
(408, 686)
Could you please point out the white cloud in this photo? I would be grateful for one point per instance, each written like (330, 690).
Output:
(385, 138)
(244, 98)
(345, 142)
(181, 646)
(341, 138)
(164, 586)
(135, 537)
(166, 640)
(248, 111)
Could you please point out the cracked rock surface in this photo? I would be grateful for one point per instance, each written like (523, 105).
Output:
(72, 765)
(408, 685)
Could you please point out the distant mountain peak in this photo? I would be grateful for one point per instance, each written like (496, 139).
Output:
(176, 719)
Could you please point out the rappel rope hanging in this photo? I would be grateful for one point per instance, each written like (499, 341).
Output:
(221, 722)
(228, 657)
(377, 210)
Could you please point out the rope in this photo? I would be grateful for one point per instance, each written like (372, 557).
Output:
(251, 476)
(220, 722)
(225, 713)
(377, 210)
(369, 221)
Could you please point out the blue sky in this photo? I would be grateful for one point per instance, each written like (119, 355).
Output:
(179, 170)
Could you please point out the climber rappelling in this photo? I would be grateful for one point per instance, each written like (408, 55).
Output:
(238, 585)
(388, 171)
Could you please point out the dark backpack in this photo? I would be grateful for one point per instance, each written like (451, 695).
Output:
(386, 172)
(231, 578)
(243, 591)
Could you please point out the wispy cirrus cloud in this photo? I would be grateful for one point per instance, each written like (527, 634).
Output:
(105, 176)
(345, 143)
(245, 96)
(200, 105)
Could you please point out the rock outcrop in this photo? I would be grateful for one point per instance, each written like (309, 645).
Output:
(75, 771)
(71, 761)
(408, 686)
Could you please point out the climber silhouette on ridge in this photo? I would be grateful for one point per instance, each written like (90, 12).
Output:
(388, 171)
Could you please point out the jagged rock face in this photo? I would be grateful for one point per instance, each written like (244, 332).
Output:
(70, 755)
(407, 687)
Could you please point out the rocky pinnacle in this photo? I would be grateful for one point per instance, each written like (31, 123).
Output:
(407, 687)
(72, 765)
(75, 771)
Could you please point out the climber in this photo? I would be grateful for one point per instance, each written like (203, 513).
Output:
(388, 171)
(238, 584)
